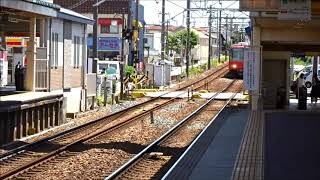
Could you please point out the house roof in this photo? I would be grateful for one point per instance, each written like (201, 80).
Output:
(74, 16)
(158, 27)
(85, 6)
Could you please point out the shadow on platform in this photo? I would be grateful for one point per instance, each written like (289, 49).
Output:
(292, 145)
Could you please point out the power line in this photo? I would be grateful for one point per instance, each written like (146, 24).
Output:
(77, 4)
(210, 33)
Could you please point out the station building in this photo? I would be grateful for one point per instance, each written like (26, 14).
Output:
(53, 53)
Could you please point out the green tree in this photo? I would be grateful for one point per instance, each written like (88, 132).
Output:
(173, 44)
(183, 35)
(178, 40)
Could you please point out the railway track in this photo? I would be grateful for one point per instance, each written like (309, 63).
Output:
(156, 159)
(33, 155)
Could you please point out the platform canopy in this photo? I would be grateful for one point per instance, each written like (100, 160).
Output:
(32, 7)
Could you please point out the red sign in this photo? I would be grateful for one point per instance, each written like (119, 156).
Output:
(108, 21)
(3, 56)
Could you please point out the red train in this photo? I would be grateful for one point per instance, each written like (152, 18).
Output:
(236, 58)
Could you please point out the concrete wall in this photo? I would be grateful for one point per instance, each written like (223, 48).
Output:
(73, 99)
(57, 72)
(275, 74)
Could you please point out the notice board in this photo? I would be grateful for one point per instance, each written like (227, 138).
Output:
(251, 69)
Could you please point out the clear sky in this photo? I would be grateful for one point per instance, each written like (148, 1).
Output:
(173, 8)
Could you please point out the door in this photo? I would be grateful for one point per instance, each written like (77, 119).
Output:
(274, 77)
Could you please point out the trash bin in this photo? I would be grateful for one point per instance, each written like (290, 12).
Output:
(19, 79)
(281, 97)
(302, 101)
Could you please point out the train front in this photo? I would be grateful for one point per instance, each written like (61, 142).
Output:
(236, 59)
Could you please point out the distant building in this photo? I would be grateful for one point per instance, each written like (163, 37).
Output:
(110, 25)
(199, 53)
(153, 40)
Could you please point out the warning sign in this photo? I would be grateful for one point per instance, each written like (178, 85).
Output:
(251, 69)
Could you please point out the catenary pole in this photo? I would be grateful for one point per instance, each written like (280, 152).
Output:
(188, 38)
(163, 29)
(210, 33)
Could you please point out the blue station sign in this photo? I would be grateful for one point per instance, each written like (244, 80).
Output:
(106, 43)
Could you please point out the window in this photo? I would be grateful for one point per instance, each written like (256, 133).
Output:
(237, 54)
(112, 28)
(76, 51)
(114, 66)
(54, 50)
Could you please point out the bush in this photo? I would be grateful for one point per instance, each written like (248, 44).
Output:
(197, 70)
(129, 70)
(100, 101)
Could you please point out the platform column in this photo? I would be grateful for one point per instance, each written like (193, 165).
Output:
(31, 56)
(256, 44)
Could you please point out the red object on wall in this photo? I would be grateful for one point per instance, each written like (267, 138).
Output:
(25, 61)
(107, 21)
(5, 56)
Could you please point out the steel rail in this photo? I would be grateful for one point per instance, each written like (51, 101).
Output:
(197, 138)
(131, 162)
(87, 137)
(22, 148)
(48, 156)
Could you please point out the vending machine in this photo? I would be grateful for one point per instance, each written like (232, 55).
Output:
(3, 68)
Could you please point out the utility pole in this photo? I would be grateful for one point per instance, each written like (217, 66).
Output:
(95, 46)
(163, 29)
(188, 38)
(231, 31)
(167, 37)
(226, 52)
(95, 38)
(137, 29)
(219, 36)
(130, 38)
(122, 55)
(210, 46)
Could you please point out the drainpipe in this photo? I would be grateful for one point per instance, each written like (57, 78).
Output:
(50, 55)
(83, 69)
(84, 57)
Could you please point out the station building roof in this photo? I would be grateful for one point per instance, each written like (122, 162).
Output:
(85, 7)
(43, 8)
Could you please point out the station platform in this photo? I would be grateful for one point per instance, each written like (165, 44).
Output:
(255, 145)
(26, 113)
(184, 94)
(214, 154)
